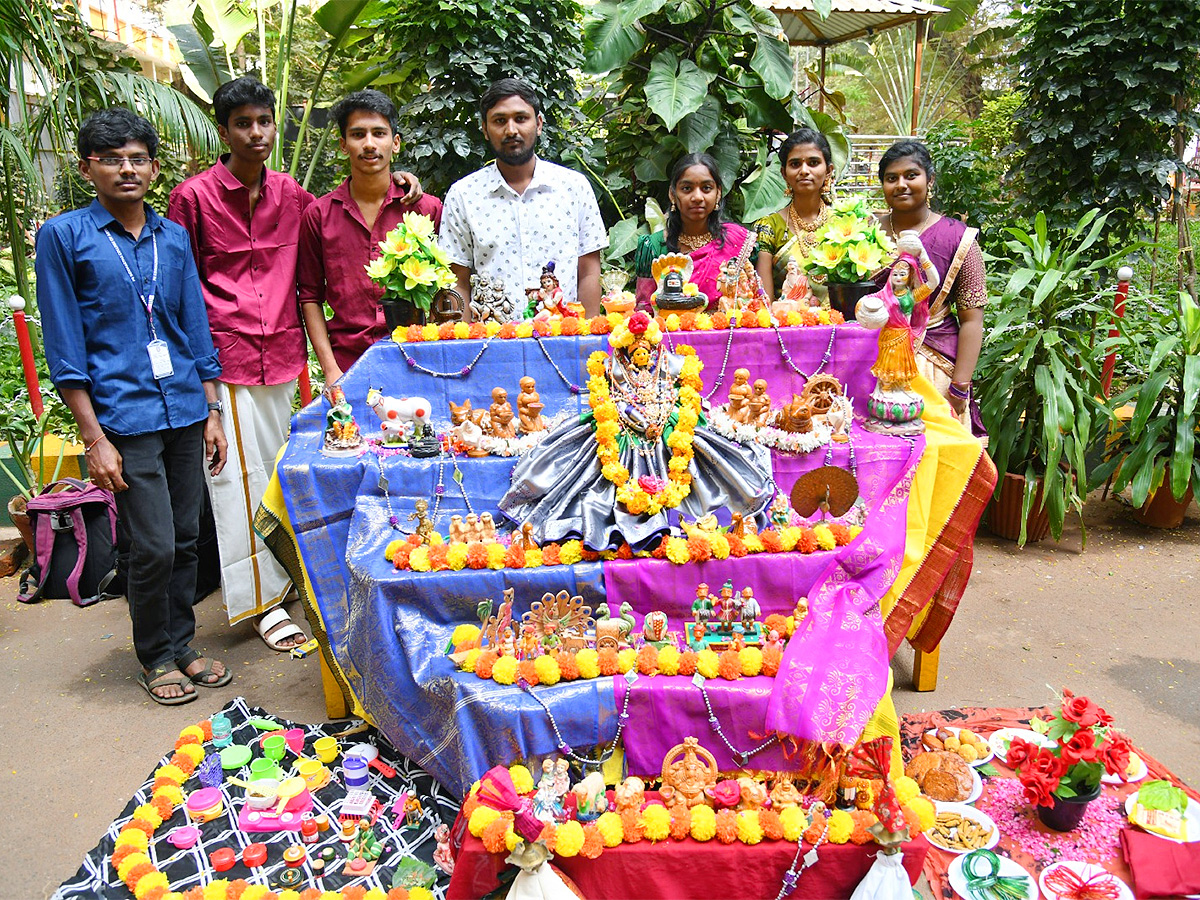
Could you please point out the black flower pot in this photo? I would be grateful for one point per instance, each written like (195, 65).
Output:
(1066, 814)
(401, 313)
(844, 297)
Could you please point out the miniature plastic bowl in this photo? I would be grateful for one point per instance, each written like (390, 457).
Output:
(264, 768)
(274, 746)
(263, 793)
(184, 837)
(235, 756)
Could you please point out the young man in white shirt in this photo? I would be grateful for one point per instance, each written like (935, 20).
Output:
(517, 214)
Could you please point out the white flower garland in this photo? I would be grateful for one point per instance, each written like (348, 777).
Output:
(769, 436)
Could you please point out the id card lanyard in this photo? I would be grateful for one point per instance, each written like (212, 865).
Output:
(160, 354)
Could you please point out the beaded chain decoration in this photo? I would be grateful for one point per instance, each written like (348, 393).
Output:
(792, 875)
(563, 747)
(715, 724)
(439, 489)
(467, 369)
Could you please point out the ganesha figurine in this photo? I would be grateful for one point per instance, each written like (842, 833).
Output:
(689, 774)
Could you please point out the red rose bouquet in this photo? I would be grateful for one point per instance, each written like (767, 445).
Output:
(1084, 748)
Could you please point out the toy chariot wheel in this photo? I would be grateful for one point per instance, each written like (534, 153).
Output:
(821, 392)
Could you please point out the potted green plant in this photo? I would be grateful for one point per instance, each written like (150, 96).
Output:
(1038, 378)
(849, 248)
(1159, 346)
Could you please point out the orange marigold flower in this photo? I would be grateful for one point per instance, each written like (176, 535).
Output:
(541, 326)
(631, 822)
(808, 541)
(314, 894)
(183, 762)
(477, 556)
(863, 819)
(507, 331)
(770, 540)
(772, 657)
(748, 319)
(396, 893)
(493, 836)
(771, 824)
(625, 552)
(681, 819)
(813, 833)
(187, 739)
(470, 805)
(589, 555)
(155, 893)
(235, 888)
(727, 830)
(660, 552)
(119, 854)
(729, 666)
(476, 331)
(140, 825)
(720, 321)
(446, 331)
(687, 663)
(808, 318)
(552, 553)
(568, 668)
(600, 325)
(737, 547)
(483, 665)
(687, 321)
(400, 557)
(777, 623)
(527, 670)
(570, 326)
(160, 781)
(437, 557)
(608, 661)
(414, 333)
(354, 892)
(699, 549)
(836, 318)
(163, 807)
(514, 557)
(196, 893)
(841, 533)
(593, 843)
(647, 659)
(549, 834)
(413, 540)
(206, 727)
(138, 872)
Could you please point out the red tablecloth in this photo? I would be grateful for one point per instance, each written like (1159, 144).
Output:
(690, 870)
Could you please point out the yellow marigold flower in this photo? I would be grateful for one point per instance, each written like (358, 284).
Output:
(133, 837)
(491, 327)
(256, 892)
(823, 316)
(555, 327)
(173, 773)
(418, 560)
(495, 554)
(133, 859)
(606, 413)
(791, 625)
(392, 547)
(461, 331)
(414, 893)
(435, 538)
(855, 531)
(656, 822)
(653, 507)
(610, 828)
(149, 882)
(466, 631)
(677, 550)
(626, 659)
(568, 839)
(511, 839)
(924, 808)
(825, 538)
(615, 319)
(690, 289)
(653, 332)
(720, 546)
(616, 473)
(524, 329)
(588, 661)
(686, 350)
(456, 557)
(216, 890)
(429, 332)
(595, 362)
(147, 813)
(704, 823)
(788, 537)
(704, 322)
(688, 417)
(672, 322)
(753, 543)
(749, 831)
(795, 821)
(668, 660)
(533, 558)
(751, 658)
(570, 553)
(505, 670)
(373, 894)
(171, 792)
(636, 502)
(472, 657)
(708, 663)
(607, 431)
(764, 319)
(522, 778)
(841, 826)
(195, 752)
(793, 319)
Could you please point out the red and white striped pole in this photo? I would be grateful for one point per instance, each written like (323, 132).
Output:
(1123, 275)
(17, 303)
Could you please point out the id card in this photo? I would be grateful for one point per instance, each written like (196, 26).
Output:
(160, 359)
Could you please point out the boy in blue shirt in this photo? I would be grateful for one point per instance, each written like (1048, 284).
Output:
(129, 349)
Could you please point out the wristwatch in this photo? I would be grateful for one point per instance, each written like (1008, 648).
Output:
(216, 407)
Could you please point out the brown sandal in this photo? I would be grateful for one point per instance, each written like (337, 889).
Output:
(163, 676)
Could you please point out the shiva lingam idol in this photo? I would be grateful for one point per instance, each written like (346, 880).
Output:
(675, 292)
(899, 311)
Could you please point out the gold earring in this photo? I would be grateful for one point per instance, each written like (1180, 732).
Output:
(787, 191)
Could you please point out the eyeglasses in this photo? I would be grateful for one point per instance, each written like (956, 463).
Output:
(115, 162)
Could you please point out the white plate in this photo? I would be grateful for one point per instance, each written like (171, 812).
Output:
(1191, 815)
(979, 762)
(1140, 772)
(967, 812)
(958, 880)
(1084, 870)
(1000, 740)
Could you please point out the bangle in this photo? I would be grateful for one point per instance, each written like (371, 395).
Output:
(958, 393)
(92, 445)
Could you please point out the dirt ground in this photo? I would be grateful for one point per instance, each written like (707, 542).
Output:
(1117, 621)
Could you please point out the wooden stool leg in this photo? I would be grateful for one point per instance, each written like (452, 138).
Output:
(925, 669)
(335, 702)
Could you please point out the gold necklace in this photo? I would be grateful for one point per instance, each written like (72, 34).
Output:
(691, 243)
(805, 232)
(920, 225)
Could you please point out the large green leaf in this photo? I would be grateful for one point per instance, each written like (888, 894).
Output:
(1148, 401)
(772, 61)
(338, 16)
(632, 10)
(1181, 459)
(762, 191)
(699, 129)
(229, 23)
(622, 238)
(1191, 385)
(610, 41)
(203, 69)
(675, 88)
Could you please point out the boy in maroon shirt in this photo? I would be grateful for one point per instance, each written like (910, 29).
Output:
(340, 235)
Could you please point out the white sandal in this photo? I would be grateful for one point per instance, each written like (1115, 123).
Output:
(279, 625)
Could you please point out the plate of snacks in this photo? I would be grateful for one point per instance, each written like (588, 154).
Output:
(960, 829)
(1068, 878)
(984, 864)
(1000, 740)
(974, 750)
(943, 776)
(1165, 810)
(1134, 772)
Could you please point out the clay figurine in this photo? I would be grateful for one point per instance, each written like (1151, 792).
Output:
(754, 793)
(727, 607)
(545, 801)
(838, 417)
(490, 300)
(675, 292)
(654, 627)
(630, 794)
(342, 436)
(424, 524)
(500, 415)
(740, 393)
(471, 529)
(689, 774)
(400, 418)
(702, 606)
(781, 510)
(794, 293)
(751, 609)
(457, 531)
(466, 427)
(760, 404)
(591, 798)
(784, 793)
(487, 527)
(529, 407)
(795, 417)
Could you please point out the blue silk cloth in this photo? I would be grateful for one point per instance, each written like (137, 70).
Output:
(389, 629)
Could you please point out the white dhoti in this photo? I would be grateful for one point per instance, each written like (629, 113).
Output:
(256, 420)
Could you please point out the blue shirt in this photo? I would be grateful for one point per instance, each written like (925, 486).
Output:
(95, 327)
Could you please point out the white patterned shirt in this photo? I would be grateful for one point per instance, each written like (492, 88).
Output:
(492, 230)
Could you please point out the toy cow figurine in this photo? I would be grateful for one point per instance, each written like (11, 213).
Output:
(400, 417)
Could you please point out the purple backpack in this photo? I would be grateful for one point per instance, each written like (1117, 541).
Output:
(74, 542)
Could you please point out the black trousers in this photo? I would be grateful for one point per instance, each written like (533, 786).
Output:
(161, 512)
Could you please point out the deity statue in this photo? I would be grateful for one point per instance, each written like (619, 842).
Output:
(611, 475)
(739, 397)
(794, 294)
(760, 404)
(341, 431)
(500, 414)
(545, 801)
(529, 407)
(675, 292)
(466, 427)
(739, 284)
(899, 311)
(421, 517)
(490, 300)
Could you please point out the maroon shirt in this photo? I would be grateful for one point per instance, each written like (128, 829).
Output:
(335, 248)
(247, 270)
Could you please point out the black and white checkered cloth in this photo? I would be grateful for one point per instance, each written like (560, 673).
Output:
(190, 868)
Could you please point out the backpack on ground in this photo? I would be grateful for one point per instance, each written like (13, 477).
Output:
(74, 543)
